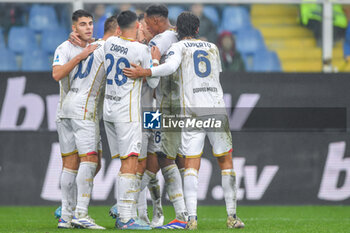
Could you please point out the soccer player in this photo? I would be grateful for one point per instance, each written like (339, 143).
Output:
(122, 112)
(147, 154)
(149, 147)
(198, 65)
(167, 98)
(82, 80)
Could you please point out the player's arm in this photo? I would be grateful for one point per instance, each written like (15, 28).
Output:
(61, 71)
(148, 62)
(170, 66)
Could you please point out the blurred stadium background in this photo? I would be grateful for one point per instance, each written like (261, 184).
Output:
(286, 85)
(271, 36)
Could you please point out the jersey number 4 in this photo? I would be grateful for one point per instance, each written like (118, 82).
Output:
(119, 71)
(197, 59)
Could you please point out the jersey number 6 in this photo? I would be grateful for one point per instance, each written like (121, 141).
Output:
(198, 59)
(119, 71)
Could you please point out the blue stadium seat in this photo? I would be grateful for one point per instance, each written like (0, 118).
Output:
(250, 40)
(234, 18)
(52, 38)
(2, 39)
(174, 12)
(36, 60)
(21, 39)
(266, 61)
(212, 13)
(42, 17)
(8, 60)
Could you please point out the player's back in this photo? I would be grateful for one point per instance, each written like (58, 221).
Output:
(198, 73)
(122, 99)
(84, 98)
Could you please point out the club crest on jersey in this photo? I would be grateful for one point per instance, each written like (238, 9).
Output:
(152, 120)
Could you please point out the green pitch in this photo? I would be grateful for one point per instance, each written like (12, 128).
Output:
(269, 219)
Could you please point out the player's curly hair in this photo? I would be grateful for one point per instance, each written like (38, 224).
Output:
(187, 25)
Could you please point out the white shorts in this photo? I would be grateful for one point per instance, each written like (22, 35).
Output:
(150, 144)
(124, 138)
(78, 136)
(170, 143)
(192, 141)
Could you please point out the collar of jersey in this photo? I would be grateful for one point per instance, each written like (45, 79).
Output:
(124, 38)
(190, 39)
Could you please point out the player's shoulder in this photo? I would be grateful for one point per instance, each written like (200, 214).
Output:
(66, 45)
(99, 42)
(111, 39)
(141, 46)
(166, 36)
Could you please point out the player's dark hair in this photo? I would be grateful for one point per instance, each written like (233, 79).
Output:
(126, 18)
(81, 13)
(141, 16)
(187, 25)
(111, 24)
(157, 9)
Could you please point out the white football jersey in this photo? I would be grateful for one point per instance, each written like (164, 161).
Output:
(122, 99)
(63, 54)
(85, 97)
(198, 66)
(167, 91)
(147, 97)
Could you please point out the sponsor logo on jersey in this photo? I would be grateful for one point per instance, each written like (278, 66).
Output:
(57, 59)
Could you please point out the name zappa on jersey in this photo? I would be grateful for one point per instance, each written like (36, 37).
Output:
(119, 49)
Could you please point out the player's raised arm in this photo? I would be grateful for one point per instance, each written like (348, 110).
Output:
(61, 71)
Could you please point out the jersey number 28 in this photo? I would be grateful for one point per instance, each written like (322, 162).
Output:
(119, 71)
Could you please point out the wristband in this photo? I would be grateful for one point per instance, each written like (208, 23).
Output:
(155, 61)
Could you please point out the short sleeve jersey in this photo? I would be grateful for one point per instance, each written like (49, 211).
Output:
(167, 91)
(122, 96)
(85, 97)
(63, 54)
(197, 65)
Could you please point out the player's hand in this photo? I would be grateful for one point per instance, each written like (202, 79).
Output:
(86, 52)
(135, 72)
(155, 53)
(75, 40)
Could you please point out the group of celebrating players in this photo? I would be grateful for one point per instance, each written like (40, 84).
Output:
(115, 78)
